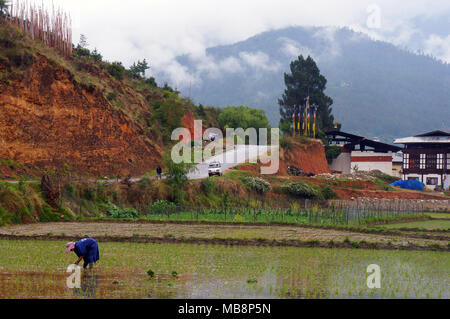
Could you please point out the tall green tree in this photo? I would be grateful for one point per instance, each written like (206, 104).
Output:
(138, 70)
(176, 176)
(168, 113)
(242, 116)
(303, 81)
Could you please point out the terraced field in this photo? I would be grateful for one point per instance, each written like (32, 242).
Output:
(109, 231)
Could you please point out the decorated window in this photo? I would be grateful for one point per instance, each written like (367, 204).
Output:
(406, 161)
(431, 161)
(414, 161)
(440, 161)
(423, 158)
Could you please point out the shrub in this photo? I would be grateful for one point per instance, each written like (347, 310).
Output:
(111, 96)
(286, 142)
(70, 189)
(208, 186)
(176, 176)
(90, 194)
(328, 192)
(116, 69)
(48, 216)
(79, 51)
(355, 244)
(116, 212)
(332, 152)
(257, 184)
(301, 189)
(151, 81)
(162, 206)
(96, 55)
(5, 217)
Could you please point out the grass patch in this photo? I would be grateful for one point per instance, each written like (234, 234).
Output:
(427, 224)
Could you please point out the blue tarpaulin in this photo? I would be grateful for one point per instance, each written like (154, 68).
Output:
(411, 184)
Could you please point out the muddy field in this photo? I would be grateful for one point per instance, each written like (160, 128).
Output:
(37, 269)
(171, 231)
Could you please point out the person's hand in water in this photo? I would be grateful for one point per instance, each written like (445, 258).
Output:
(78, 261)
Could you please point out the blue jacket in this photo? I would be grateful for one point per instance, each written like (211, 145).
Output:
(88, 248)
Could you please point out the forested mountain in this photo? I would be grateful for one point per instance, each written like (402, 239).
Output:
(379, 90)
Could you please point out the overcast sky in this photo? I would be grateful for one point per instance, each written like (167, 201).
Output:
(159, 30)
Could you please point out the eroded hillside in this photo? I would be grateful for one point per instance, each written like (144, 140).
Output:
(80, 112)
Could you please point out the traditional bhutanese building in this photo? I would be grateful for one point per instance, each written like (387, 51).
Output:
(361, 154)
(426, 158)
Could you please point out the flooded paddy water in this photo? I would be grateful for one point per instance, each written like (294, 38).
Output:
(37, 269)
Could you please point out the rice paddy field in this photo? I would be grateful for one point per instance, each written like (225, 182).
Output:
(439, 215)
(427, 224)
(143, 230)
(37, 269)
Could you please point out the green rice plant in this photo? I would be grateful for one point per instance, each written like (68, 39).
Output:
(320, 272)
(161, 207)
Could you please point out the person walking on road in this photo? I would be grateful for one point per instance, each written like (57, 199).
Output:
(158, 172)
(86, 249)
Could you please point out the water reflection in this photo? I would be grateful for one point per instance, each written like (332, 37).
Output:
(89, 283)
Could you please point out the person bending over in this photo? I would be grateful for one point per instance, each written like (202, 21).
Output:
(86, 249)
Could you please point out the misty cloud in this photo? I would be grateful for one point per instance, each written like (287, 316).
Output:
(293, 49)
(333, 48)
(161, 30)
(260, 60)
(438, 46)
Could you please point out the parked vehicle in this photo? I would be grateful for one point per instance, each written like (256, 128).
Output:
(215, 168)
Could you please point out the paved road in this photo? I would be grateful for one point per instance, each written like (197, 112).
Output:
(230, 159)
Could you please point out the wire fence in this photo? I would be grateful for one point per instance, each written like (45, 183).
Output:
(307, 212)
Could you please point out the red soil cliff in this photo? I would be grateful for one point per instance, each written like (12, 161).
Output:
(309, 156)
(48, 119)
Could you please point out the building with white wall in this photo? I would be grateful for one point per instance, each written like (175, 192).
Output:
(426, 158)
(361, 154)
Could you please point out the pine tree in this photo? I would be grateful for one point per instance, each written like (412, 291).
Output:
(138, 70)
(83, 42)
(303, 81)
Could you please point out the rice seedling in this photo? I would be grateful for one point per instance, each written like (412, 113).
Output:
(37, 269)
